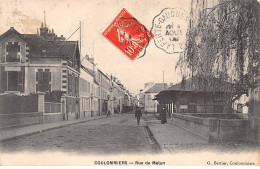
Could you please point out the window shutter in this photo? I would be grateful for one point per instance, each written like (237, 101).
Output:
(40, 77)
(49, 87)
(46, 77)
(49, 76)
(21, 81)
(3, 81)
(37, 76)
(37, 87)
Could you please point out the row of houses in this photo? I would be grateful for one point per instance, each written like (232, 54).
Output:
(47, 63)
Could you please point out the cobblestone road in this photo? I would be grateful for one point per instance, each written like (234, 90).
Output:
(117, 134)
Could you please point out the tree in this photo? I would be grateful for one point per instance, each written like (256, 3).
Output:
(223, 42)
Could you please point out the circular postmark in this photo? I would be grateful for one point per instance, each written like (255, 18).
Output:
(169, 30)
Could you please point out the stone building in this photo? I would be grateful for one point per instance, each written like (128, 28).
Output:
(44, 62)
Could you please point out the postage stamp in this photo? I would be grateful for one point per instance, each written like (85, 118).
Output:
(169, 30)
(128, 34)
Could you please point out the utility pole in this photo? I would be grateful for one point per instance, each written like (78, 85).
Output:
(80, 37)
(44, 19)
(163, 79)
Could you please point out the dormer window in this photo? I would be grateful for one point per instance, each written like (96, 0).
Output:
(13, 53)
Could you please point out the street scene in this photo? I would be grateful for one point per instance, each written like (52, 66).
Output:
(179, 80)
(118, 134)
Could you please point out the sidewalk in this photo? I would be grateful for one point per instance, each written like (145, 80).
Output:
(172, 138)
(15, 132)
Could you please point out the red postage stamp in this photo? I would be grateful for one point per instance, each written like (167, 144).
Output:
(128, 34)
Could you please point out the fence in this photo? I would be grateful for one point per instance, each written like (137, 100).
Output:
(11, 103)
(51, 107)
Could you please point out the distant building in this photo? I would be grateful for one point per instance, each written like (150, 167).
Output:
(141, 95)
(86, 85)
(117, 96)
(89, 88)
(150, 105)
(104, 91)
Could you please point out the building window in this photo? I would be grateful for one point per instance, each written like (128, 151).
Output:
(88, 87)
(15, 81)
(88, 104)
(13, 52)
(43, 80)
(76, 86)
(69, 83)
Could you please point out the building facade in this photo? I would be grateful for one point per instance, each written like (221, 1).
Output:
(32, 63)
(86, 85)
(104, 92)
(150, 105)
(192, 97)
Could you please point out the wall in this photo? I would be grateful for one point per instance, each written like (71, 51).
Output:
(55, 78)
(204, 102)
(150, 105)
(31, 78)
(85, 90)
(22, 119)
(12, 120)
(72, 108)
(213, 129)
(53, 117)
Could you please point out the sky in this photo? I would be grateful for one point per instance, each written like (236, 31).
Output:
(95, 15)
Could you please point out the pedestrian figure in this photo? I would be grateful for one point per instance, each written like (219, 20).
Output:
(138, 114)
(109, 112)
(163, 115)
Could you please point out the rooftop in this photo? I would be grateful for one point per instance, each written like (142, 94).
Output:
(157, 87)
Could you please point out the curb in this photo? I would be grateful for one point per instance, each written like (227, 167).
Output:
(151, 135)
(48, 129)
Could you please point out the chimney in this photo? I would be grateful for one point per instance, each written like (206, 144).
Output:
(44, 31)
(61, 38)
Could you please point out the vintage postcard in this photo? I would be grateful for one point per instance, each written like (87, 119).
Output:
(130, 83)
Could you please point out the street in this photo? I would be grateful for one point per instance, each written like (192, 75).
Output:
(117, 134)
